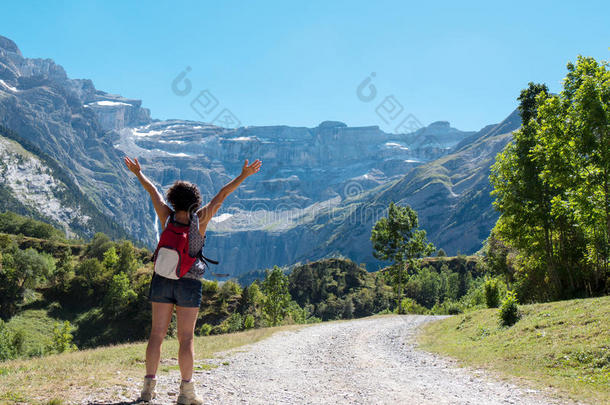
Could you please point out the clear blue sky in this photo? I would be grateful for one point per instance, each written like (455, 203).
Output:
(299, 63)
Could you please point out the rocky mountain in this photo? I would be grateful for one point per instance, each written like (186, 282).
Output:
(62, 117)
(451, 195)
(33, 184)
(303, 166)
(318, 193)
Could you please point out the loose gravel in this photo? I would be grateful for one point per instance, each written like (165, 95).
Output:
(367, 361)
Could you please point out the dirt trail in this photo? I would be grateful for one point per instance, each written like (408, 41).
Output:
(368, 361)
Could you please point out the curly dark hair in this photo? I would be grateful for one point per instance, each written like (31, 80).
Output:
(184, 196)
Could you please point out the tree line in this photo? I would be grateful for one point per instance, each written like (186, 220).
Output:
(101, 289)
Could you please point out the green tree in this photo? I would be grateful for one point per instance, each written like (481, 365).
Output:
(89, 284)
(99, 244)
(7, 243)
(552, 187)
(64, 273)
(111, 260)
(521, 196)
(424, 287)
(396, 238)
(251, 302)
(575, 129)
(127, 259)
(496, 255)
(90, 269)
(22, 270)
(277, 298)
(119, 294)
(229, 291)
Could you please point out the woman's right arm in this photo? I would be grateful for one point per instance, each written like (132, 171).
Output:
(161, 208)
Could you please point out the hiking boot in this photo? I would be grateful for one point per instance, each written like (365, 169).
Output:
(148, 391)
(188, 396)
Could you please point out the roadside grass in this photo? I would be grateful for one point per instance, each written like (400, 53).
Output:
(562, 345)
(62, 376)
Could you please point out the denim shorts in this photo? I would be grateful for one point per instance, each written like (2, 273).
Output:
(184, 292)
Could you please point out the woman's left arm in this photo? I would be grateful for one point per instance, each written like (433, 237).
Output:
(208, 211)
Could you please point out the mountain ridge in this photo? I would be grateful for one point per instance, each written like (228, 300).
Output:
(312, 177)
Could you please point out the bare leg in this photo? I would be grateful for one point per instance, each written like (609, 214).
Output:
(161, 317)
(187, 317)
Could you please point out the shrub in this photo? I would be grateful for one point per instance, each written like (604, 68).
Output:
(249, 322)
(209, 287)
(475, 296)
(219, 329)
(228, 290)
(11, 344)
(409, 306)
(448, 307)
(205, 329)
(62, 338)
(234, 323)
(509, 311)
(492, 293)
(454, 308)
(298, 315)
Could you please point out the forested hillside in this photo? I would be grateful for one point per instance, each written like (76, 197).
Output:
(56, 293)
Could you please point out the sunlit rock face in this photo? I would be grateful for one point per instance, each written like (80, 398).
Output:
(60, 116)
(301, 165)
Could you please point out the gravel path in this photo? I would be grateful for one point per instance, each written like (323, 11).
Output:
(368, 361)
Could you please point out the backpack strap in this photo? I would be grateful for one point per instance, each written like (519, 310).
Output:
(207, 262)
(172, 219)
(206, 259)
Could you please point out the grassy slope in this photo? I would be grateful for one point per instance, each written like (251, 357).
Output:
(563, 345)
(60, 376)
(38, 327)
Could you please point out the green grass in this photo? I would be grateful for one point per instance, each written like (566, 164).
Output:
(564, 346)
(37, 327)
(61, 377)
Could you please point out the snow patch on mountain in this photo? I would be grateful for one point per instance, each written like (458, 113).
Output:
(11, 88)
(107, 103)
(221, 217)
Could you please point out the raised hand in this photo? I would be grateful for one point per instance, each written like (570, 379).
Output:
(251, 169)
(133, 165)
